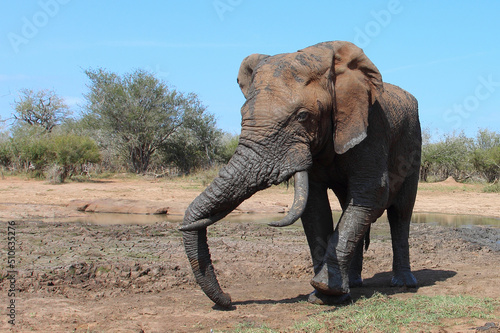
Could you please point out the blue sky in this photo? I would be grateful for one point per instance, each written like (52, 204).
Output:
(446, 53)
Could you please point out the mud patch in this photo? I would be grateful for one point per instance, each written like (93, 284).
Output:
(480, 236)
(110, 278)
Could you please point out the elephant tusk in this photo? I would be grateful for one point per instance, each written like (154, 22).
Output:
(299, 200)
(203, 223)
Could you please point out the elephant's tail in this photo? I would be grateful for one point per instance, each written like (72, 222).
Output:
(367, 238)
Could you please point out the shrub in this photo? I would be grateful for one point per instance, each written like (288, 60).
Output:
(71, 152)
(5, 154)
(55, 155)
(487, 161)
(461, 157)
(55, 174)
(493, 188)
(35, 153)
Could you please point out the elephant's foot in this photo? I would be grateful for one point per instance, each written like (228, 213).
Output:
(355, 280)
(404, 279)
(321, 299)
(329, 281)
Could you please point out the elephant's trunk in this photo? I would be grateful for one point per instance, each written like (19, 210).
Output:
(195, 244)
(239, 180)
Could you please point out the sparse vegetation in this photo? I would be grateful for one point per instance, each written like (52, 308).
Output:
(132, 122)
(461, 157)
(41, 153)
(381, 313)
(139, 124)
(492, 188)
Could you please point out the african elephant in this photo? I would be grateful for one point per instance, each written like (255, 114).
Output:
(324, 116)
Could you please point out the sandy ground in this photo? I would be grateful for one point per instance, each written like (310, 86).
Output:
(84, 277)
(38, 199)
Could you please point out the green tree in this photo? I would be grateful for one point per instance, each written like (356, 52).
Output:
(462, 157)
(5, 149)
(449, 157)
(30, 148)
(458, 149)
(198, 144)
(486, 139)
(183, 151)
(487, 162)
(229, 144)
(42, 108)
(202, 129)
(486, 156)
(138, 110)
(35, 150)
(71, 152)
(5, 154)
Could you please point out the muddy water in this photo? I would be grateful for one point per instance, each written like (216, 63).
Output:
(434, 219)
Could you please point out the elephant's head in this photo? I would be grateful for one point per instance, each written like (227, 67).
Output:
(298, 106)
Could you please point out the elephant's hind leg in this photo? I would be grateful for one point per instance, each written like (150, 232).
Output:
(399, 216)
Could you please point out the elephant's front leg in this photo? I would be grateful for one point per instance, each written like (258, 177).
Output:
(333, 278)
(355, 279)
(318, 223)
(318, 226)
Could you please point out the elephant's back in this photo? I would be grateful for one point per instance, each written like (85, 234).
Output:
(401, 110)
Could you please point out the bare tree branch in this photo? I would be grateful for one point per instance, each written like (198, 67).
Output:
(42, 108)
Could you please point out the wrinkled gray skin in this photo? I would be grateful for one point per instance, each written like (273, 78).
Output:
(324, 115)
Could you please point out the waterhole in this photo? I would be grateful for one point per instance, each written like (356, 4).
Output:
(428, 218)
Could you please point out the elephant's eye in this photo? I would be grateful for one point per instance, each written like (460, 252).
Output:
(302, 115)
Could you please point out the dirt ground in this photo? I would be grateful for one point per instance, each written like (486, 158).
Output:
(87, 277)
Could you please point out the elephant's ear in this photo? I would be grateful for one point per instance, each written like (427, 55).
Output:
(246, 70)
(357, 85)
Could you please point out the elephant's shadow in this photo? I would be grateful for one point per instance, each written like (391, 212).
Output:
(379, 283)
